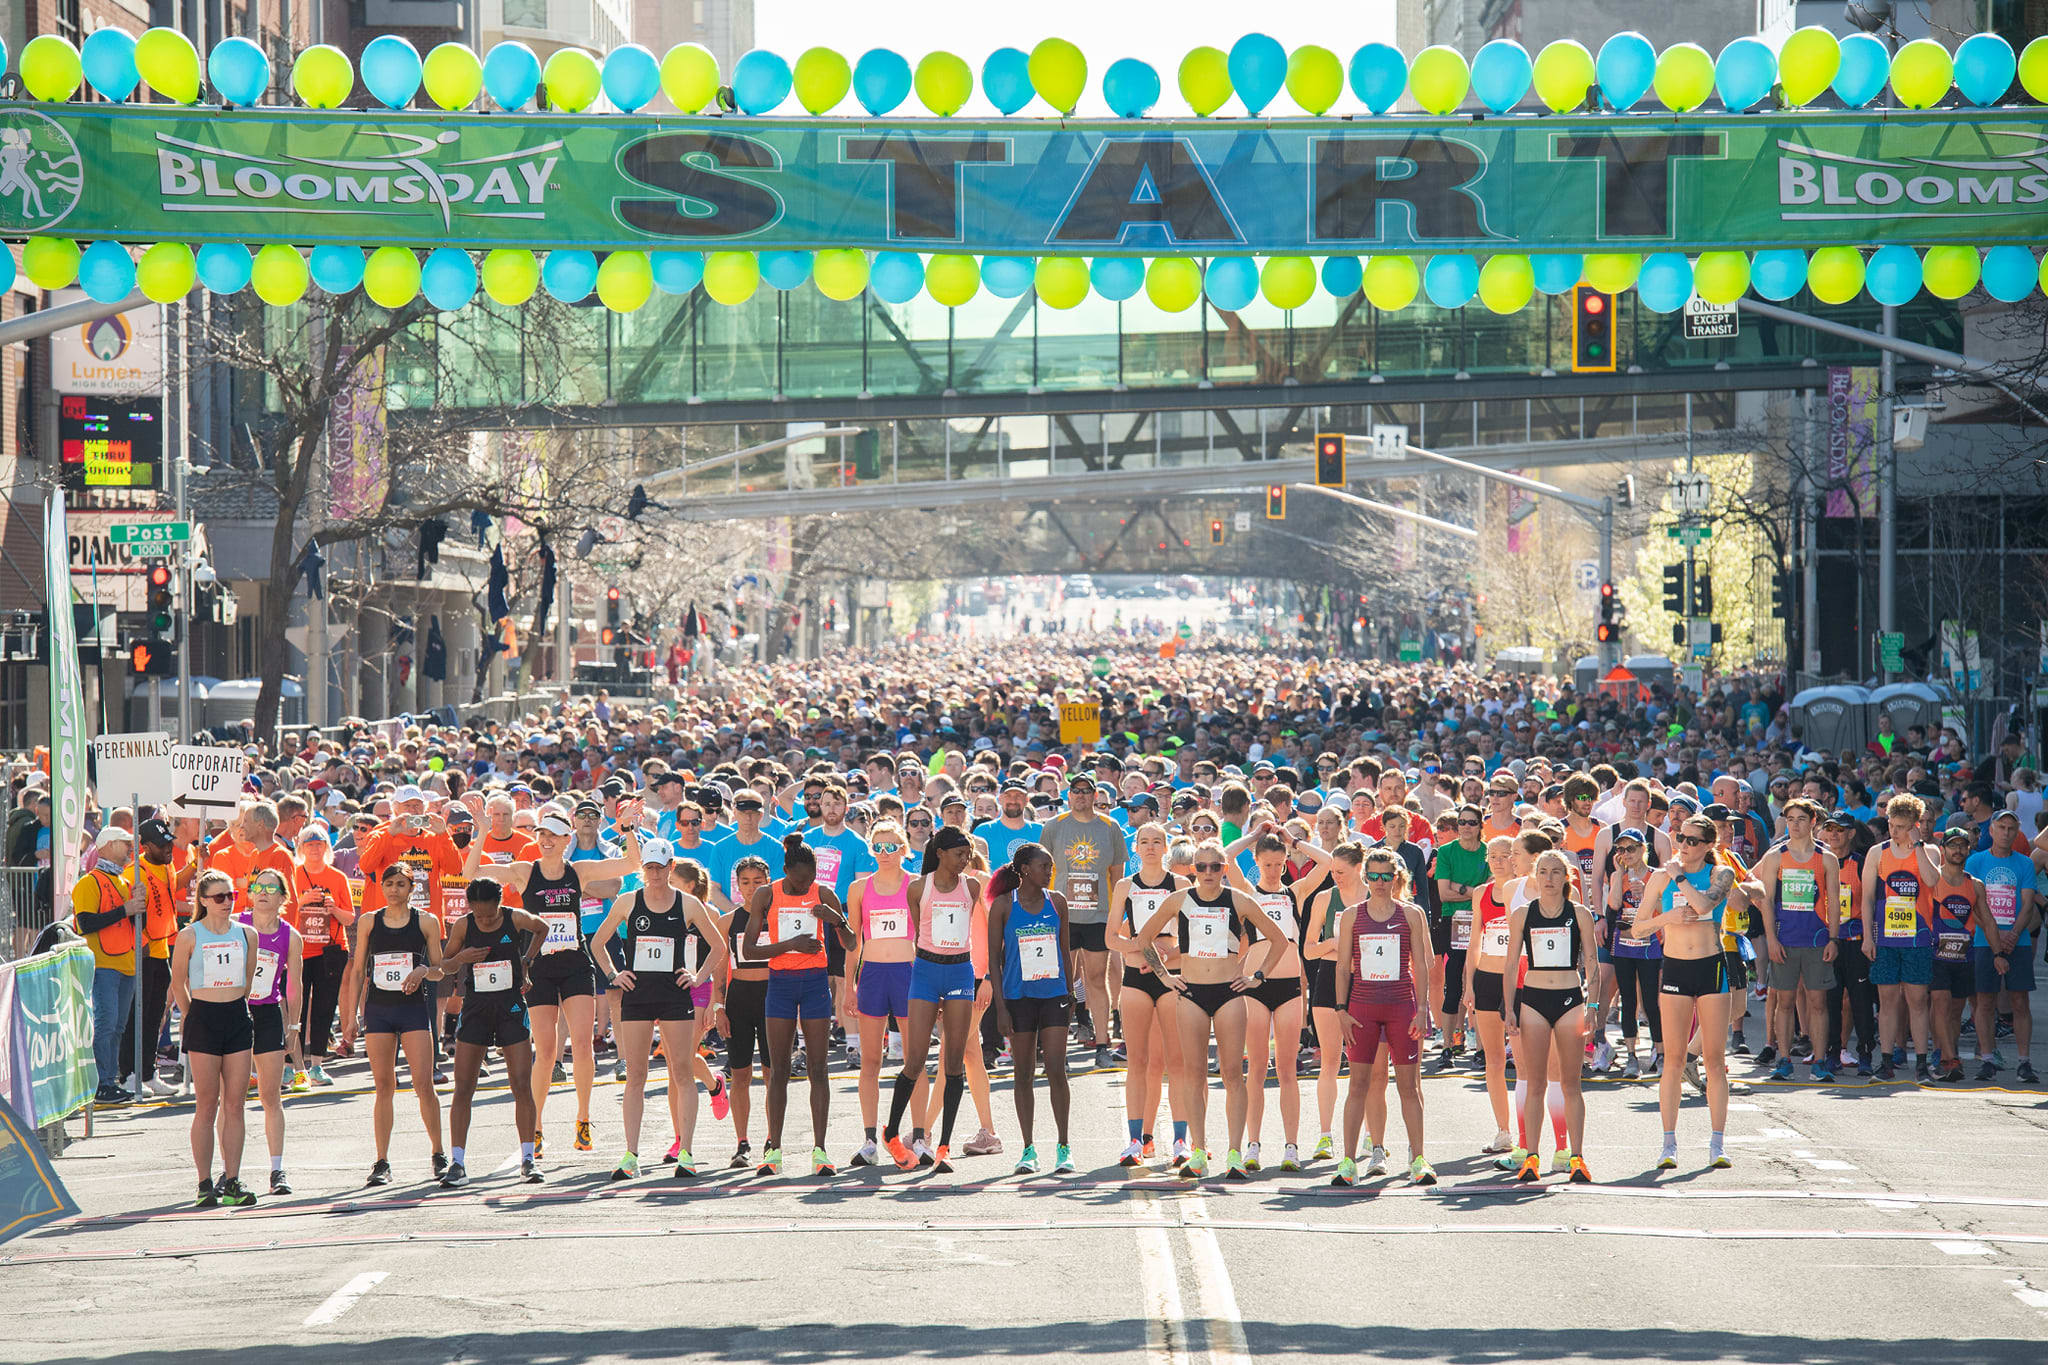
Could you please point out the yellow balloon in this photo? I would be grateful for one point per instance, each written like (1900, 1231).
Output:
(1611, 272)
(1439, 78)
(510, 276)
(820, 79)
(2034, 69)
(1564, 73)
(279, 275)
(50, 68)
(1391, 282)
(1288, 281)
(50, 262)
(1506, 283)
(1949, 272)
(943, 82)
(166, 272)
(1173, 283)
(952, 279)
(1807, 64)
(1205, 79)
(625, 280)
(1061, 281)
(1835, 273)
(1721, 276)
(391, 277)
(1059, 73)
(689, 76)
(1685, 77)
(572, 79)
(1315, 78)
(840, 273)
(169, 64)
(453, 76)
(323, 77)
(731, 276)
(1922, 72)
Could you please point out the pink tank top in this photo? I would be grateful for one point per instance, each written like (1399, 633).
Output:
(946, 925)
(884, 914)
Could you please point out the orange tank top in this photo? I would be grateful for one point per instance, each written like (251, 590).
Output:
(1580, 848)
(794, 914)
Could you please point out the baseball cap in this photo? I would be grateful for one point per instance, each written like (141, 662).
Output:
(553, 823)
(1718, 812)
(656, 853)
(1628, 836)
(113, 834)
(408, 793)
(1959, 832)
(156, 832)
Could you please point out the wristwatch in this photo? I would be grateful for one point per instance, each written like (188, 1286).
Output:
(1259, 977)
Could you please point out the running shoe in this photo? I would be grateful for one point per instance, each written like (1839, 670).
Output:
(2025, 1072)
(1655, 1067)
(1783, 1070)
(1738, 1045)
(380, 1173)
(922, 1150)
(674, 1149)
(721, 1098)
(942, 1160)
(742, 1157)
(1148, 1151)
(1887, 1072)
(440, 1164)
(905, 1158)
(1767, 1056)
(233, 1196)
(1561, 1161)
(1694, 1075)
(1101, 1058)
(983, 1143)
(278, 1183)
(529, 1174)
(1180, 1151)
(1290, 1158)
(771, 1161)
(1717, 1159)
(1510, 1160)
(1987, 1072)
(1580, 1175)
(1603, 1056)
(1132, 1154)
(455, 1177)
(319, 1077)
(1347, 1173)
(1632, 1069)
(618, 1070)
(868, 1154)
(1921, 1074)
(1667, 1157)
(1822, 1072)
(1531, 1169)
(1420, 1172)
(209, 1197)
(1251, 1156)
(1326, 1147)
(1954, 1074)
(1376, 1164)
(821, 1164)
(686, 1166)
(1501, 1143)
(440, 1074)
(1063, 1160)
(1233, 1166)
(628, 1168)
(537, 1144)
(1197, 1164)
(583, 1135)
(1027, 1164)
(301, 1083)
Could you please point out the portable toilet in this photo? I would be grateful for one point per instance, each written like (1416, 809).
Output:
(1523, 659)
(232, 702)
(1909, 704)
(1585, 673)
(1652, 670)
(1834, 718)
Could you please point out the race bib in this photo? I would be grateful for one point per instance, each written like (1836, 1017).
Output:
(1208, 933)
(1495, 943)
(1379, 957)
(1952, 947)
(220, 965)
(795, 923)
(1279, 907)
(1550, 949)
(1901, 916)
(1038, 954)
(313, 927)
(889, 923)
(1798, 889)
(492, 976)
(421, 898)
(1084, 892)
(2004, 902)
(1461, 930)
(690, 953)
(829, 858)
(593, 911)
(561, 931)
(498, 859)
(266, 974)
(388, 971)
(949, 928)
(652, 953)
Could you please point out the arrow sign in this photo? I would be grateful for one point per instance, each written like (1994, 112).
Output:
(202, 776)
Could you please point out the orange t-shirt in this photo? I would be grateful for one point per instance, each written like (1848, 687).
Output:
(431, 854)
(238, 865)
(322, 908)
(515, 847)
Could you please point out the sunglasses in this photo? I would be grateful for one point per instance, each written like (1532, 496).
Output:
(1468, 824)
(217, 896)
(918, 824)
(689, 824)
(886, 849)
(1693, 841)
(1208, 867)
(1381, 876)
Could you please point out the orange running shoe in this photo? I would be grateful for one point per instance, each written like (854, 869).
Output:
(901, 1153)
(1580, 1175)
(1531, 1168)
(943, 1166)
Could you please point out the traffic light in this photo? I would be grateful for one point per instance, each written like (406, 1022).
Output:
(1702, 593)
(1215, 530)
(1592, 330)
(867, 455)
(160, 619)
(1674, 589)
(1276, 502)
(1609, 630)
(1330, 460)
(152, 659)
(610, 632)
(1781, 595)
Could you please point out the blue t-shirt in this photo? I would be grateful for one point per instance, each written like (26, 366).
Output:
(2004, 879)
(603, 851)
(726, 854)
(1002, 841)
(842, 858)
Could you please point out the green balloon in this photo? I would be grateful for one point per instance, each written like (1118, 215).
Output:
(50, 69)
(1205, 80)
(731, 276)
(2034, 69)
(453, 75)
(323, 77)
(1949, 272)
(1173, 283)
(943, 82)
(1721, 276)
(510, 276)
(1611, 272)
(821, 78)
(689, 76)
(1315, 78)
(278, 275)
(1807, 64)
(1835, 273)
(1061, 281)
(50, 262)
(391, 277)
(1564, 73)
(1059, 73)
(1439, 78)
(1922, 73)
(1391, 282)
(166, 272)
(1288, 281)
(1506, 283)
(169, 63)
(625, 280)
(1685, 77)
(840, 273)
(952, 279)
(573, 80)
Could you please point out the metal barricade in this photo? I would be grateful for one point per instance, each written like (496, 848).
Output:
(26, 910)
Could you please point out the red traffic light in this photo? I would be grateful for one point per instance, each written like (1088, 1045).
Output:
(1606, 591)
(138, 660)
(1608, 633)
(1594, 303)
(611, 594)
(159, 576)
(604, 636)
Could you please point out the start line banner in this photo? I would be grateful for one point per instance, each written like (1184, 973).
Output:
(1196, 187)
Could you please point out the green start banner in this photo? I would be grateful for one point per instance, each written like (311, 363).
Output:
(1316, 186)
(50, 1070)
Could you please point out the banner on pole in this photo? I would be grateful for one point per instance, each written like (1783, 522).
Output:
(67, 700)
(51, 1068)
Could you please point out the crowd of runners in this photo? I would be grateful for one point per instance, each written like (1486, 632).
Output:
(1289, 878)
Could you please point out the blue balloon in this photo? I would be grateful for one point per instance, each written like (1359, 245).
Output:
(223, 267)
(1258, 70)
(1893, 274)
(1231, 282)
(1985, 67)
(881, 81)
(336, 269)
(448, 278)
(1116, 278)
(1744, 73)
(1866, 66)
(569, 275)
(1556, 274)
(1778, 274)
(632, 76)
(238, 70)
(1664, 283)
(106, 272)
(511, 75)
(785, 270)
(1007, 277)
(896, 276)
(1005, 79)
(1450, 281)
(6, 256)
(1500, 74)
(109, 61)
(2009, 273)
(1343, 276)
(390, 69)
(1626, 66)
(1379, 76)
(1130, 88)
(760, 81)
(676, 272)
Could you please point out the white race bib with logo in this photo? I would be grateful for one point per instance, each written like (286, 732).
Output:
(1038, 955)
(492, 976)
(266, 974)
(220, 965)
(791, 924)
(1208, 933)
(1279, 907)
(653, 953)
(949, 928)
(388, 971)
(562, 928)
(1495, 943)
(1550, 949)
(1379, 957)
(893, 923)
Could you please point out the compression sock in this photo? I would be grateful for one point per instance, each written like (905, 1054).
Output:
(1180, 1130)
(870, 1132)
(899, 1100)
(1137, 1127)
(956, 1086)
(526, 1151)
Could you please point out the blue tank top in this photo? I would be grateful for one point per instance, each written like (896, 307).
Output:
(219, 961)
(1698, 881)
(1033, 967)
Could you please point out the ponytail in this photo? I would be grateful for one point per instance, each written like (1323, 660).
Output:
(795, 850)
(1009, 876)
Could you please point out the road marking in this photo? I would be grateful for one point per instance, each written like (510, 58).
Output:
(344, 1298)
(1214, 1296)
(508, 1165)
(1166, 1341)
(1962, 1248)
(2027, 1294)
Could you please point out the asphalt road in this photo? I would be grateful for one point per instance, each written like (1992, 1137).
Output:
(1897, 1225)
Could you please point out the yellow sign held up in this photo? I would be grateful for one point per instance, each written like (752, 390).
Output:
(1081, 723)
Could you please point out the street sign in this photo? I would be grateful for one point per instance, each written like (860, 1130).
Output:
(1411, 651)
(1702, 635)
(206, 778)
(137, 766)
(1710, 321)
(1691, 493)
(1691, 536)
(1691, 677)
(1100, 666)
(149, 532)
(1081, 723)
(1586, 572)
(1891, 649)
(1243, 522)
(1389, 440)
(1186, 631)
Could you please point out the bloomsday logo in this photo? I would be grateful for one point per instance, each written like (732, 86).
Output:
(195, 178)
(1815, 185)
(40, 172)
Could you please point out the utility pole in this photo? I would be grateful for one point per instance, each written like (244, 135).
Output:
(1887, 490)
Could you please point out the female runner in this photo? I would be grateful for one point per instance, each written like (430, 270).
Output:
(1546, 1008)
(397, 952)
(1151, 1040)
(877, 906)
(1683, 903)
(274, 1002)
(1383, 962)
(1637, 958)
(741, 1006)
(1325, 917)
(942, 983)
(1484, 967)
(1273, 1010)
(211, 976)
(1028, 952)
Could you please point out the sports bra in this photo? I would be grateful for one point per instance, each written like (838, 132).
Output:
(884, 914)
(1551, 943)
(1141, 902)
(1209, 929)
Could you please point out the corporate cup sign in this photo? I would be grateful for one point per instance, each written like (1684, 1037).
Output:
(205, 780)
